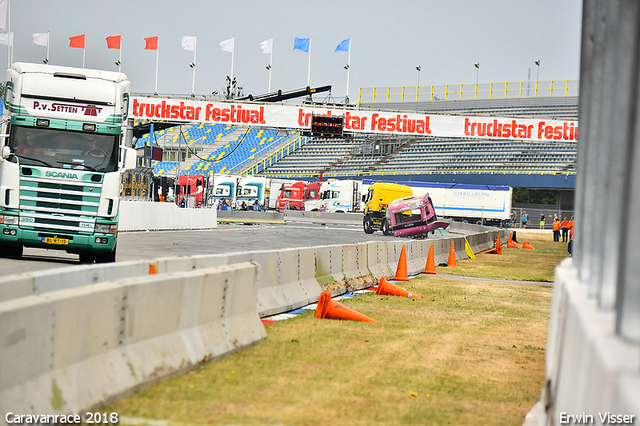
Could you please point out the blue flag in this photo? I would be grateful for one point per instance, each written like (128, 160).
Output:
(344, 45)
(302, 44)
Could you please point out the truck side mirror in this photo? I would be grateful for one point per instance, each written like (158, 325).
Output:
(364, 197)
(6, 152)
(129, 158)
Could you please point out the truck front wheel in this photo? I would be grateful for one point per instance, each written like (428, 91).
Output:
(106, 257)
(367, 224)
(386, 228)
(86, 257)
(11, 251)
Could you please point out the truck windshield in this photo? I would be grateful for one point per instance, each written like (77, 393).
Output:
(65, 149)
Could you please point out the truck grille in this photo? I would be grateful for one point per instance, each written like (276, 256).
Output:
(58, 206)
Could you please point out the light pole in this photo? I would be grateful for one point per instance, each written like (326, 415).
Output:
(477, 65)
(537, 62)
(418, 68)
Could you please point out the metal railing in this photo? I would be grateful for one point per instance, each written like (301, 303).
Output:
(351, 174)
(450, 92)
(275, 157)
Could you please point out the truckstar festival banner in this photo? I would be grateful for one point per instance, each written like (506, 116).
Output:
(355, 121)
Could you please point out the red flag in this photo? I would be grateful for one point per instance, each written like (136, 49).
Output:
(77, 41)
(113, 42)
(151, 43)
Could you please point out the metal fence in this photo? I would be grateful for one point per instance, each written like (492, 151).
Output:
(535, 217)
(449, 92)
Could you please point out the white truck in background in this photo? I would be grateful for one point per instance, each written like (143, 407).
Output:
(223, 187)
(252, 188)
(338, 196)
(479, 204)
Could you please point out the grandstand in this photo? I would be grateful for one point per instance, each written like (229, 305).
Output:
(465, 160)
(207, 148)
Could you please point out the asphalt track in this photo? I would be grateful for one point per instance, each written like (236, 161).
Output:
(226, 238)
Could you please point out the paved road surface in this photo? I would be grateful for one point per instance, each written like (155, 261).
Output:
(224, 239)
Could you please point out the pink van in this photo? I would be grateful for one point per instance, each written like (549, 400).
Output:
(411, 216)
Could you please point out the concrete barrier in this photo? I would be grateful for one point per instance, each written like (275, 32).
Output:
(329, 269)
(143, 216)
(298, 276)
(73, 350)
(249, 216)
(354, 266)
(14, 286)
(377, 259)
(323, 217)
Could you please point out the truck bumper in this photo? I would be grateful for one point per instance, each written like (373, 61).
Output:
(12, 235)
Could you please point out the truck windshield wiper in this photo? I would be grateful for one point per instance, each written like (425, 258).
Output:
(34, 159)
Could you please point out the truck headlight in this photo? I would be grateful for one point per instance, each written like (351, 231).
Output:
(106, 229)
(9, 220)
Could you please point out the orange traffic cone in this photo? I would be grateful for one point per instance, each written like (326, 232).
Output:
(497, 249)
(511, 243)
(386, 287)
(401, 272)
(430, 267)
(452, 256)
(526, 245)
(330, 309)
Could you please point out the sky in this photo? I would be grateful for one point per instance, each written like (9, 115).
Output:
(388, 41)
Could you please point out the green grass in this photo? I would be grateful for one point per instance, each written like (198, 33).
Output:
(515, 264)
(468, 353)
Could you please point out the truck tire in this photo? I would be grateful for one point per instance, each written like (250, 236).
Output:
(11, 251)
(106, 257)
(86, 257)
(386, 228)
(367, 224)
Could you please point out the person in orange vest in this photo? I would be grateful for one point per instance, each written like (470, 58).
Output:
(570, 246)
(565, 230)
(556, 230)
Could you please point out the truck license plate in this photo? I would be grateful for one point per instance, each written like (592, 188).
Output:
(59, 241)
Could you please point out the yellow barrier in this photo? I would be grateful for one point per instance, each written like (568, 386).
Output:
(449, 92)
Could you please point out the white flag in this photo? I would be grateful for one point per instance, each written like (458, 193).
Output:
(5, 39)
(189, 43)
(267, 46)
(41, 39)
(227, 45)
(3, 14)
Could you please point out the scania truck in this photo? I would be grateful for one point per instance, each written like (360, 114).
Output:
(62, 153)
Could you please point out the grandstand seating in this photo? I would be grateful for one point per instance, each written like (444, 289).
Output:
(245, 146)
(443, 155)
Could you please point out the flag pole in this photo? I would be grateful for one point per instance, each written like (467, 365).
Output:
(157, 49)
(12, 38)
(84, 49)
(48, 38)
(309, 66)
(9, 33)
(193, 84)
(233, 52)
(270, 64)
(120, 58)
(348, 70)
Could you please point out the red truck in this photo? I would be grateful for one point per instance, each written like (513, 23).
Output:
(190, 191)
(293, 196)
